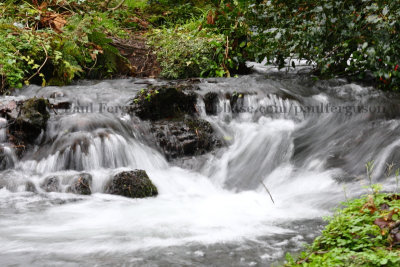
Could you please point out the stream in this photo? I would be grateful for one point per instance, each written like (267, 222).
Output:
(306, 141)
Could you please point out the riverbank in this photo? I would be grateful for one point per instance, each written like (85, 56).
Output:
(364, 232)
(54, 43)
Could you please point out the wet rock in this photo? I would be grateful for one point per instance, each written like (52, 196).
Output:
(81, 185)
(51, 184)
(211, 103)
(134, 184)
(32, 119)
(162, 102)
(8, 108)
(188, 137)
(26, 120)
(236, 101)
(6, 158)
(30, 187)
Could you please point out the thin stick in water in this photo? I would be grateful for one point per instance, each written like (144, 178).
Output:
(268, 191)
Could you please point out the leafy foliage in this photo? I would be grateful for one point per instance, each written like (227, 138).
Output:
(185, 54)
(363, 233)
(353, 38)
(49, 43)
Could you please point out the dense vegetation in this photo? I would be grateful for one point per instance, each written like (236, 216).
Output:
(353, 38)
(54, 42)
(364, 233)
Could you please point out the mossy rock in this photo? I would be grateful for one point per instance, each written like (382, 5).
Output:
(157, 103)
(187, 137)
(32, 119)
(133, 184)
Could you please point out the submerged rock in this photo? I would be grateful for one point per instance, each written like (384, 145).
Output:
(30, 187)
(163, 102)
(188, 137)
(134, 184)
(81, 184)
(7, 158)
(51, 184)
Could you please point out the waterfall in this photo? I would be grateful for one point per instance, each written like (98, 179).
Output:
(208, 203)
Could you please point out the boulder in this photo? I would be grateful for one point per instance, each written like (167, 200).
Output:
(160, 102)
(51, 184)
(134, 184)
(32, 119)
(30, 187)
(188, 137)
(81, 184)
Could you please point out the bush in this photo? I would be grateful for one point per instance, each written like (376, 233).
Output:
(40, 45)
(185, 54)
(352, 38)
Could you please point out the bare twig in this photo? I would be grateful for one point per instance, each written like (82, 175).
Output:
(117, 6)
(269, 193)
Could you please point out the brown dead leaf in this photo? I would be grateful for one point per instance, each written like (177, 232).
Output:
(43, 6)
(58, 23)
(370, 205)
(53, 20)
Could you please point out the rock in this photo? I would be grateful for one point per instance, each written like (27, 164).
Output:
(185, 138)
(236, 101)
(26, 121)
(51, 184)
(211, 103)
(81, 185)
(30, 187)
(134, 184)
(162, 102)
(31, 120)
(8, 108)
(7, 158)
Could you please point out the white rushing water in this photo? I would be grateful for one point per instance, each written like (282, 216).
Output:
(213, 210)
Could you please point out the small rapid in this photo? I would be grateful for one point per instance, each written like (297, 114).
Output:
(212, 209)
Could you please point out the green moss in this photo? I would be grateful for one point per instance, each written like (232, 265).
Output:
(134, 184)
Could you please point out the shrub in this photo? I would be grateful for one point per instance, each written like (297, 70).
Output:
(352, 38)
(184, 54)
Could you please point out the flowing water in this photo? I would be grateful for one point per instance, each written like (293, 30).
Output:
(212, 210)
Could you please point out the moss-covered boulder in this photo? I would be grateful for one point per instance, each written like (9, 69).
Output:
(160, 102)
(187, 137)
(81, 184)
(134, 184)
